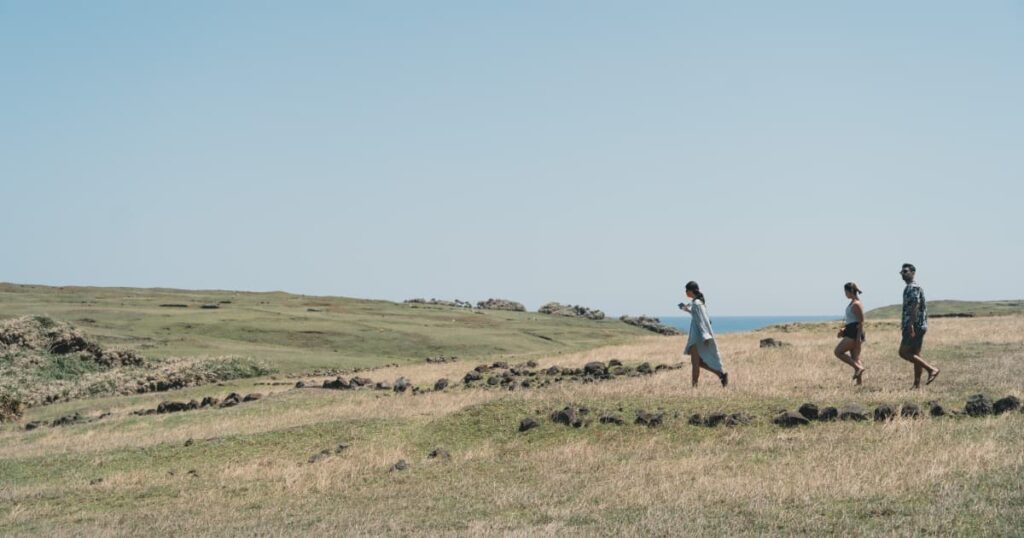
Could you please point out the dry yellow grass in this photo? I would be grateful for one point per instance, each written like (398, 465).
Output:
(951, 476)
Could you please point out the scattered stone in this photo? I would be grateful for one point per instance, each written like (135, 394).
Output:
(209, 307)
(171, 407)
(400, 466)
(568, 416)
(441, 384)
(884, 413)
(472, 376)
(611, 419)
(313, 310)
(527, 424)
(402, 384)
(554, 370)
(651, 324)
(714, 419)
(854, 412)
(300, 385)
(209, 401)
(493, 380)
(696, 419)
(771, 342)
(95, 481)
(252, 397)
(439, 453)
(33, 425)
(173, 305)
(595, 368)
(573, 311)
(189, 442)
(1003, 405)
(645, 368)
(440, 359)
(341, 448)
(808, 410)
(360, 382)
(501, 304)
(500, 364)
(382, 385)
(828, 413)
(910, 410)
(614, 362)
(650, 420)
(936, 410)
(978, 405)
(319, 456)
(531, 363)
(789, 419)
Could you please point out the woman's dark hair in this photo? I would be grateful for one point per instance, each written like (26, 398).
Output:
(852, 288)
(692, 286)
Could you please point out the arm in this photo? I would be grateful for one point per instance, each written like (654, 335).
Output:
(702, 321)
(915, 307)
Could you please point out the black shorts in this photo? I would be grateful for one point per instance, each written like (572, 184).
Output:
(851, 331)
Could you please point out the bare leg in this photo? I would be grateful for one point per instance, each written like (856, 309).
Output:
(858, 367)
(842, 352)
(920, 366)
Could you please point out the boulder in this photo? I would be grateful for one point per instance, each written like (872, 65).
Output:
(714, 419)
(650, 420)
(936, 409)
(527, 424)
(569, 416)
(854, 412)
(978, 405)
(171, 407)
(645, 368)
(441, 384)
(401, 465)
(771, 342)
(501, 304)
(573, 311)
(493, 380)
(595, 368)
(651, 324)
(338, 384)
(790, 419)
(361, 382)
(611, 419)
(910, 410)
(614, 362)
(319, 456)
(472, 376)
(696, 419)
(884, 413)
(439, 453)
(809, 411)
(500, 364)
(554, 370)
(1003, 405)
(252, 397)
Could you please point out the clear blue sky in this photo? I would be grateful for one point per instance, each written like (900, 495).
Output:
(601, 153)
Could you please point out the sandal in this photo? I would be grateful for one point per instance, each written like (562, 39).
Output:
(857, 375)
(932, 376)
(725, 380)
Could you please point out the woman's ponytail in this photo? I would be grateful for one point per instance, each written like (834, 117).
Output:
(693, 287)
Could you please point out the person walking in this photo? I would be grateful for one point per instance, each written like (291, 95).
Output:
(914, 324)
(701, 344)
(852, 332)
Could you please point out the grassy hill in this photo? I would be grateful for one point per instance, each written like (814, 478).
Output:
(300, 332)
(976, 308)
(309, 461)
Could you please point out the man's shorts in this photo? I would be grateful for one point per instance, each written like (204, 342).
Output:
(913, 342)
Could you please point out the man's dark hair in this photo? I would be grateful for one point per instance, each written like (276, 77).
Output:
(910, 266)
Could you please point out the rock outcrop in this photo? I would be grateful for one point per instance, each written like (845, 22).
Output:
(572, 311)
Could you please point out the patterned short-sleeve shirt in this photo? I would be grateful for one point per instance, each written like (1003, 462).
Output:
(913, 296)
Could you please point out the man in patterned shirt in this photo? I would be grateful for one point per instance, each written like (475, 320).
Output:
(914, 325)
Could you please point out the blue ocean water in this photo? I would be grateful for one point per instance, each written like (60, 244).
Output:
(733, 324)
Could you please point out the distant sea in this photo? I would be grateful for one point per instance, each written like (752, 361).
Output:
(734, 324)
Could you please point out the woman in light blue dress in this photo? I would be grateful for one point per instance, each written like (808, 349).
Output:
(701, 344)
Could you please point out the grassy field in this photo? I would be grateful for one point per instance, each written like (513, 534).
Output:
(294, 333)
(946, 307)
(247, 471)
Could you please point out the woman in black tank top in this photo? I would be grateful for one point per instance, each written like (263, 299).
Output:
(852, 332)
